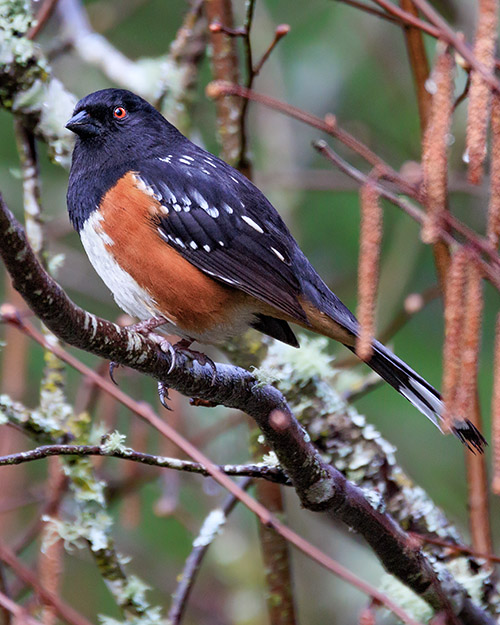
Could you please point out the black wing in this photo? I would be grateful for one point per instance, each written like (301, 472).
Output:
(221, 223)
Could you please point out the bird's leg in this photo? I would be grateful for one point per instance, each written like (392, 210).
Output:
(163, 395)
(183, 346)
(145, 327)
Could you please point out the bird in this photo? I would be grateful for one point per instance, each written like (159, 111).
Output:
(186, 242)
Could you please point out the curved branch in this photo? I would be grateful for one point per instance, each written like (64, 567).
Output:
(273, 474)
(319, 486)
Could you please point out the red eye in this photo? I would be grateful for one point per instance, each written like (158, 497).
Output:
(119, 112)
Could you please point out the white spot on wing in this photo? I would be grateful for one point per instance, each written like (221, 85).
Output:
(167, 194)
(199, 199)
(212, 211)
(193, 245)
(278, 254)
(227, 280)
(144, 187)
(227, 208)
(185, 161)
(180, 242)
(252, 223)
(207, 248)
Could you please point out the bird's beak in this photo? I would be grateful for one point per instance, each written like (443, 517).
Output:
(83, 124)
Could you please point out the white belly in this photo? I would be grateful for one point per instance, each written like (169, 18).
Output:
(129, 296)
(135, 300)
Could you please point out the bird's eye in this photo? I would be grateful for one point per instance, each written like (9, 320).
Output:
(119, 112)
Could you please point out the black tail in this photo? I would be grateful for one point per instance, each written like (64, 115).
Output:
(420, 393)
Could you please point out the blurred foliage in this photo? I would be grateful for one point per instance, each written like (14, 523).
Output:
(334, 60)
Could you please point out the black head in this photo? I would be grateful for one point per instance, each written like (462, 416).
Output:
(117, 131)
(120, 119)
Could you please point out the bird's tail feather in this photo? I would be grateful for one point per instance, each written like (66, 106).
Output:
(420, 393)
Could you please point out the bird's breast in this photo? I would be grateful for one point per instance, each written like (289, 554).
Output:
(148, 277)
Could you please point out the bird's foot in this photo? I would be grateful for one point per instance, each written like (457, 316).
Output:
(183, 346)
(112, 366)
(163, 395)
(143, 327)
(148, 325)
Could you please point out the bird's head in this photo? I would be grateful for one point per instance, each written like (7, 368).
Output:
(119, 119)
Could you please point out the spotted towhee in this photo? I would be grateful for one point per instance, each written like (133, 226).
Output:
(181, 236)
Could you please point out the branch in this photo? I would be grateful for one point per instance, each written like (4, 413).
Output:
(475, 244)
(141, 76)
(452, 38)
(318, 485)
(330, 126)
(208, 532)
(28, 576)
(225, 67)
(118, 450)
(27, 88)
(22, 615)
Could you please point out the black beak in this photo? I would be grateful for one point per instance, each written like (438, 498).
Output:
(82, 124)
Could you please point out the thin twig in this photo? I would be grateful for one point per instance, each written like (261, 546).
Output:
(224, 62)
(218, 89)
(208, 532)
(419, 64)
(5, 592)
(434, 540)
(243, 163)
(20, 613)
(280, 31)
(273, 474)
(371, 11)
(491, 273)
(453, 39)
(42, 16)
(29, 577)
(408, 18)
